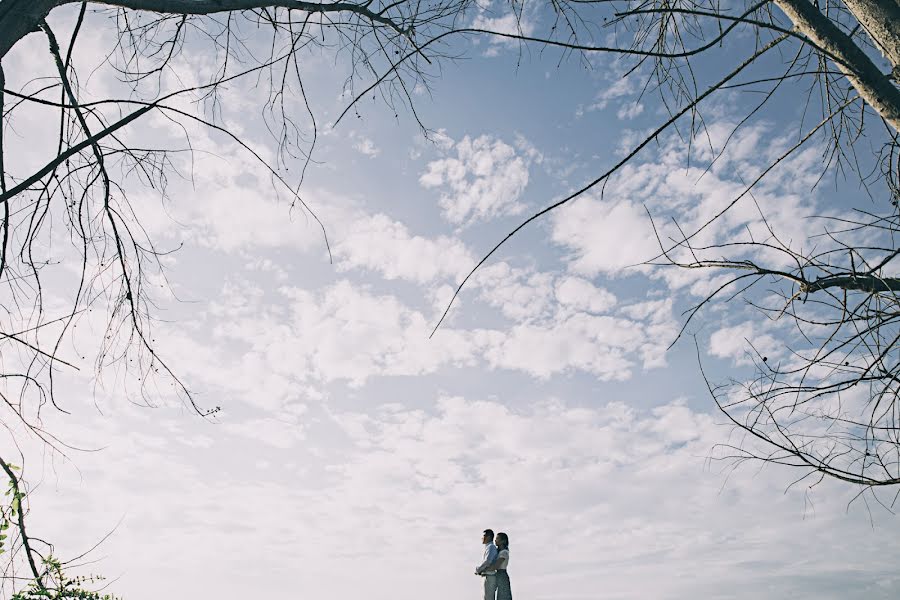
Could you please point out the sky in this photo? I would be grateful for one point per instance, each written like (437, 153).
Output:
(356, 455)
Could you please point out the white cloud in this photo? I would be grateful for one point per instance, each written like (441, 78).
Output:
(346, 332)
(483, 181)
(520, 294)
(630, 110)
(581, 294)
(660, 329)
(559, 325)
(504, 21)
(629, 139)
(618, 86)
(274, 432)
(366, 146)
(508, 23)
(597, 345)
(605, 346)
(525, 293)
(608, 230)
(378, 243)
(232, 205)
(606, 235)
(743, 342)
(631, 489)
(267, 265)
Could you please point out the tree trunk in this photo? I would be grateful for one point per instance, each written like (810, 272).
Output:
(18, 18)
(881, 20)
(872, 85)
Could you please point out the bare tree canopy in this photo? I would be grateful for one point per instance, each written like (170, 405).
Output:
(831, 408)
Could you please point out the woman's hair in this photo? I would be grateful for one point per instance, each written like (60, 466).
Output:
(503, 539)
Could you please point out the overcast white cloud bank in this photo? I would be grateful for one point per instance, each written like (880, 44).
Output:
(619, 490)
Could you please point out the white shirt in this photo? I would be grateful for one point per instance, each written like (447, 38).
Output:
(503, 558)
(489, 556)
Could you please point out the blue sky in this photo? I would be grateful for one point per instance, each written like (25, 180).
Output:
(356, 456)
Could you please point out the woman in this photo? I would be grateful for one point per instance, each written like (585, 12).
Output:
(504, 592)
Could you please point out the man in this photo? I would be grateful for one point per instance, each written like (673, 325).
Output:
(488, 558)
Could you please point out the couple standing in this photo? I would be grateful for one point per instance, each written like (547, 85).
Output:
(493, 566)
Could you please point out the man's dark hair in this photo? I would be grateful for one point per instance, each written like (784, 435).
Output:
(489, 533)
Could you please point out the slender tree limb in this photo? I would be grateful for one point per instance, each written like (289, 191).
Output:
(72, 150)
(634, 152)
(4, 245)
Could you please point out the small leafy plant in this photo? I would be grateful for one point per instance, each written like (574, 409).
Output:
(56, 585)
(50, 582)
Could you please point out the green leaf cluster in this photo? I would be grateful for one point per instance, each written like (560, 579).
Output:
(56, 585)
(53, 583)
(10, 512)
